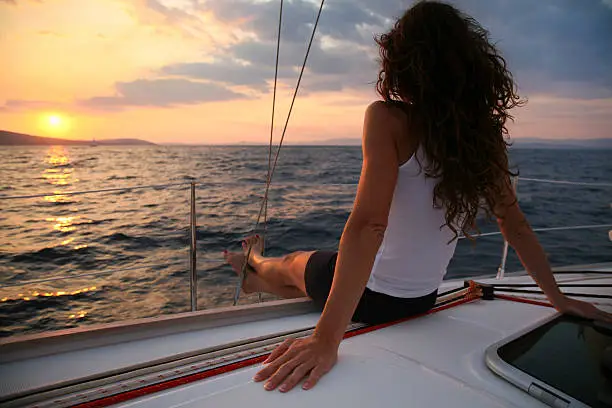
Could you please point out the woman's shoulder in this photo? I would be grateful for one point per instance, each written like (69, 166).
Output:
(388, 123)
(389, 112)
(389, 115)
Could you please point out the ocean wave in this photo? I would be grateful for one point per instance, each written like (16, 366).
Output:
(113, 177)
(150, 227)
(40, 313)
(59, 255)
(135, 242)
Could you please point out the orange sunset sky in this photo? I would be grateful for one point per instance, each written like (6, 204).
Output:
(194, 71)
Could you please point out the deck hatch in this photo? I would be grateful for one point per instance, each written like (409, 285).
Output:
(563, 362)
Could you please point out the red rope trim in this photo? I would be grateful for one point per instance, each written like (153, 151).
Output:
(383, 325)
(523, 300)
(150, 389)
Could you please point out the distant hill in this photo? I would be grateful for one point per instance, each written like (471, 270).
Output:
(537, 143)
(20, 139)
(328, 142)
(519, 143)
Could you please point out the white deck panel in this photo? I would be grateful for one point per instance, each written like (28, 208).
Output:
(27, 374)
(434, 361)
(431, 361)
(365, 377)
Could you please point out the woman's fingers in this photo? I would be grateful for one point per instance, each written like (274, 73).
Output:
(299, 373)
(296, 359)
(271, 368)
(279, 351)
(284, 371)
(314, 377)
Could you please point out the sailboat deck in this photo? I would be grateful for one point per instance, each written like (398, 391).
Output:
(432, 360)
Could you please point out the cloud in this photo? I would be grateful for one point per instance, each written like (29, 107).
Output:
(556, 47)
(338, 69)
(50, 33)
(21, 104)
(347, 62)
(161, 93)
(250, 61)
(553, 47)
(339, 18)
(14, 2)
(229, 71)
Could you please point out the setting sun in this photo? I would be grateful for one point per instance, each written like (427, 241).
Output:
(55, 120)
(54, 123)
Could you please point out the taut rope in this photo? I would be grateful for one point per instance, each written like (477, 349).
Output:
(280, 144)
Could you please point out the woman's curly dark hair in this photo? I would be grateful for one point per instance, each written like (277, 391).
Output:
(459, 91)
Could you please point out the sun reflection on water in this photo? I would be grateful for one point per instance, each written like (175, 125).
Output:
(62, 224)
(37, 294)
(58, 172)
(57, 156)
(67, 224)
(78, 315)
(57, 197)
(59, 177)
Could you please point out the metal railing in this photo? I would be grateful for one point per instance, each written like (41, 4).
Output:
(193, 275)
(193, 272)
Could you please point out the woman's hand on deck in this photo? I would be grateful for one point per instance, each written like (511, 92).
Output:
(295, 360)
(582, 309)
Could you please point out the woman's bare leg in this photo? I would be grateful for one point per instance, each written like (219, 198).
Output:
(282, 271)
(253, 283)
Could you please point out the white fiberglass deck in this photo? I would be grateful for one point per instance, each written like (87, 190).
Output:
(433, 361)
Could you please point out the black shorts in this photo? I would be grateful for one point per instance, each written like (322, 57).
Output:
(374, 307)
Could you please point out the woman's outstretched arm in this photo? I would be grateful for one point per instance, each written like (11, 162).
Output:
(517, 231)
(314, 356)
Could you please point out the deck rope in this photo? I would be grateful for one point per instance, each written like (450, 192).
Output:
(101, 190)
(572, 183)
(293, 183)
(280, 145)
(265, 216)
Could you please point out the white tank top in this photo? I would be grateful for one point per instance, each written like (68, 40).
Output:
(415, 251)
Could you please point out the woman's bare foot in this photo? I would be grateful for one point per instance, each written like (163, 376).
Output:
(256, 244)
(252, 283)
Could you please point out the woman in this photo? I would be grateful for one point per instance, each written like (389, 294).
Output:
(434, 154)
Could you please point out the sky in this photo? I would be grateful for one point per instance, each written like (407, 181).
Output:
(201, 71)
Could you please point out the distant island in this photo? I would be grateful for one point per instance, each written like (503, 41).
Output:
(518, 143)
(20, 139)
(537, 143)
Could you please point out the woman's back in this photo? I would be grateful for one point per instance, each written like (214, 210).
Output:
(416, 248)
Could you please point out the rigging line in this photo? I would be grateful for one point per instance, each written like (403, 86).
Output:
(571, 227)
(101, 190)
(561, 285)
(280, 145)
(297, 87)
(587, 272)
(572, 183)
(265, 221)
(280, 22)
(576, 294)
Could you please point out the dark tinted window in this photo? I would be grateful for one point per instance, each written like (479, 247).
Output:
(567, 354)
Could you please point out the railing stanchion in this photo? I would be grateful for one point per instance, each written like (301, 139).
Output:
(502, 267)
(193, 272)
